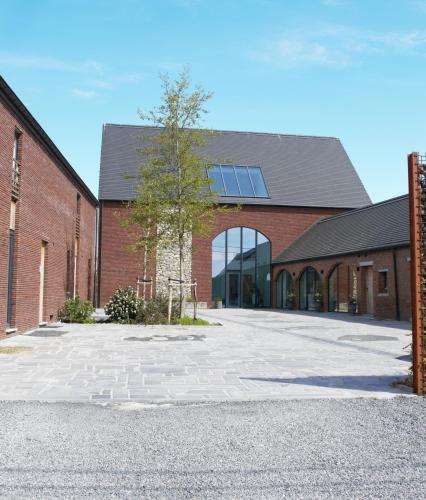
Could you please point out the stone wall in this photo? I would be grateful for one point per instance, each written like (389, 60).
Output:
(168, 266)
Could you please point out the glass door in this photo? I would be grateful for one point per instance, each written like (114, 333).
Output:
(233, 295)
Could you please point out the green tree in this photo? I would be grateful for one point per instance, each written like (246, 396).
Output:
(143, 220)
(174, 192)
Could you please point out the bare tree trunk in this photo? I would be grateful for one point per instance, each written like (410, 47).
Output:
(180, 274)
(145, 259)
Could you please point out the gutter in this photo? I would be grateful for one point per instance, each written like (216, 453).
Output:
(18, 107)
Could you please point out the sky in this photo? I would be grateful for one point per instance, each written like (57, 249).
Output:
(352, 69)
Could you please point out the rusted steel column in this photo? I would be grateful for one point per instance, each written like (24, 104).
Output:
(417, 306)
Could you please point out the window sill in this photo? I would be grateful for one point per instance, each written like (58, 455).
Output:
(383, 294)
(11, 330)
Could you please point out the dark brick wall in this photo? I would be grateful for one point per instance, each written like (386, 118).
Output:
(46, 211)
(119, 267)
(385, 305)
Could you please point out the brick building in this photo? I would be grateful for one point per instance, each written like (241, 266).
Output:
(47, 222)
(362, 256)
(283, 184)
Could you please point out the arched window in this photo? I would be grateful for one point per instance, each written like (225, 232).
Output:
(241, 268)
(339, 289)
(309, 290)
(284, 290)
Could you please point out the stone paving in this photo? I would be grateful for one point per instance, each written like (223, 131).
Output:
(254, 355)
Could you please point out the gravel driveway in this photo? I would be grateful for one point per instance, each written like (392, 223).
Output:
(254, 355)
(339, 449)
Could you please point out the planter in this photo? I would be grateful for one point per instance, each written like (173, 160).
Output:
(352, 308)
(217, 304)
(289, 305)
(317, 307)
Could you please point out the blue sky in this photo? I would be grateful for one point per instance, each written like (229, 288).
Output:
(351, 69)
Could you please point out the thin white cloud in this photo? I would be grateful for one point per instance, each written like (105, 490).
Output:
(99, 84)
(84, 94)
(129, 78)
(47, 63)
(334, 46)
(297, 52)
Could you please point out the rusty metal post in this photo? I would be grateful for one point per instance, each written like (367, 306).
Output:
(195, 298)
(417, 306)
(169, 312)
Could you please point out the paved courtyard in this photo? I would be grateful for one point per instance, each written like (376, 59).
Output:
(253, 355)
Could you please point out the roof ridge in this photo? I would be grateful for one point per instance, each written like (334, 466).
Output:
(366, 207)
(248, 132)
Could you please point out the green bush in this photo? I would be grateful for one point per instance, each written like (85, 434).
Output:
(123, 306)
(155, 311)
(76, 311)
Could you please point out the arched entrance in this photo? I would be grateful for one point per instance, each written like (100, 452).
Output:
(241, 268)
(310, 290)
(284, 290)
(339, 289)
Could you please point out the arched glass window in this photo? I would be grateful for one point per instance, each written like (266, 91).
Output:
(309, 290)
(284, 289)
(339, 289)
(241, 268)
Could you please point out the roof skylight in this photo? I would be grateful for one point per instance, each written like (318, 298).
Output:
(238, 181)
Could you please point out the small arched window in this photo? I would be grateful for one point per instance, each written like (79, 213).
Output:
(285, 290)
(309, 288)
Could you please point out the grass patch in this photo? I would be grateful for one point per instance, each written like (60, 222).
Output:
(187, 321)
(407, 382)
(14, 349)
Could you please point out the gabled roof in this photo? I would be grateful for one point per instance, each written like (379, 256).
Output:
(383, 225)
(15, 104)
(298, 170)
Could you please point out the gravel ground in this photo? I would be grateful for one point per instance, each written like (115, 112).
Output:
(359, 448)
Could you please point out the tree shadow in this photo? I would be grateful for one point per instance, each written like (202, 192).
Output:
(348, 318)
(372, 383)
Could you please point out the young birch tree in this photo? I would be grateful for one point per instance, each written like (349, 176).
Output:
(173, 176)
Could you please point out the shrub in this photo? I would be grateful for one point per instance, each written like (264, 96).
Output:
(76, 311)
(123, 306)
(155, 311)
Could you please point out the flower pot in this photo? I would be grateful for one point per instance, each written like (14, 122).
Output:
(217, 304)
(352, 308)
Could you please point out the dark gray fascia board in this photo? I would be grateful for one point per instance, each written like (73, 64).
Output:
(16, 105)
(344, 254)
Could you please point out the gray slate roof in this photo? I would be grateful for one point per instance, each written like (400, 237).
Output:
(298, 170)
(383, 225)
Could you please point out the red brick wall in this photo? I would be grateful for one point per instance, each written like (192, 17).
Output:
(45, 212)
(281, 225)
(385, 306)
(119, 267)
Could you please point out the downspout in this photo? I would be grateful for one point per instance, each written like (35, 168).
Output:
(395, 273)
(97, 254)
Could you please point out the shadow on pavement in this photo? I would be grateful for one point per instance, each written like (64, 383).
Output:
(374, 383)
(349, 318)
